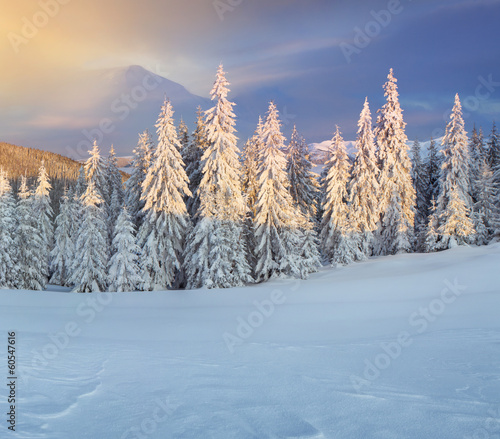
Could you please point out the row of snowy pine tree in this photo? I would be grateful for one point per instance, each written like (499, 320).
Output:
(388, 203)
(195, 214)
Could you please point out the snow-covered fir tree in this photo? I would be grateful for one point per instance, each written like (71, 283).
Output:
(397, 195)
(364, 187)
(339, 243)
(477, 153)
(456, 226)
(63, 253)
(277, 219)
(191, 155)
(183, 134)
(29, 243)
(302, 182)
(81, 183)
(124, 270)
(114, 189)
(454, 204)
(76, 214)
(431, 235)
(433, 170)
(75, 200)
(133, 186)
(43, 213)
(494, 160)
(162, 235)
(310, 256)
(89, 271)
(486, 216)
(96, 172)
(493, 151)
(217, 256)
(477, 148)
(250, 162)
(418, 175)
(303, 189)
(8, 266)
(250, 168)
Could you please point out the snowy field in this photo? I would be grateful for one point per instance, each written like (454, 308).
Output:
(395, 347)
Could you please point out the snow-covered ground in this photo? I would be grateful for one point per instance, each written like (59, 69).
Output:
(395, 347)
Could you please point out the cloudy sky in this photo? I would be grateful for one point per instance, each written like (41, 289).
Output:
(317, 59)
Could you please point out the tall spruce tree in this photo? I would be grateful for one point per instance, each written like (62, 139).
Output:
(250, 161)
(303, 189)
(302, 182)
(162, 236)
(477, 153)
(183, 134)
(124, 271)
(418, 175)
(96, 172)
(477, 148)
(431, 235)
(8, 267)
(63, 253)
(30, 244)
(456, 226)
(90, 264)
(133, 186)
(364, 187)
(494, 148)
(75, 201)
(43, 212)
(396, 188)
(454, 204)
(277, 220)
(114, 189)
(486, 217)
(494, 161)
(81, 183)
(192, 154)
(338, 241)
(309, 254)
(433, 170)
(217, 256)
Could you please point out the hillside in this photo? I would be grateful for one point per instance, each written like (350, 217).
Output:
(63, 171)
(19, 160)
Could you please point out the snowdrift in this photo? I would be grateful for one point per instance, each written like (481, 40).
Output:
(396, 347)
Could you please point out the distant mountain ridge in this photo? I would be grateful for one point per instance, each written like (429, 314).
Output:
(319, 151)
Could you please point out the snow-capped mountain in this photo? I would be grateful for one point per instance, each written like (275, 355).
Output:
(319, 151)
(132, 100)
(122, 102)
